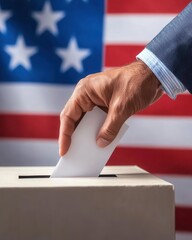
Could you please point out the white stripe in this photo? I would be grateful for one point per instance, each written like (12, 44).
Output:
(134, 28)
(183, 236)
(163, 132)
(36, 98)
(183, 186)
(28, 152)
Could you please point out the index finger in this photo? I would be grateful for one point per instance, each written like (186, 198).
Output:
(70, 115)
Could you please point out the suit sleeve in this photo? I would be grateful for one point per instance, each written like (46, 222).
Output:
(173, 46)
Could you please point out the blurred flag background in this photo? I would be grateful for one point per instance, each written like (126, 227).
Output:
(46, 46)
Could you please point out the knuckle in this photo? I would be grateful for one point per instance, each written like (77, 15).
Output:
(80, 82)
(64, 112)
(88, 106)
(83, 94)
(84, 102)
(80, 85)
(89, 80)
(89, 76)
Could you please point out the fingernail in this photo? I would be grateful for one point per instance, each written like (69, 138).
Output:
(102, 142)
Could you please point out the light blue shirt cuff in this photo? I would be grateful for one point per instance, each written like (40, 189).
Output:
(170, 84)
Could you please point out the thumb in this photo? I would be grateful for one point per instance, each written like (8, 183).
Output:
(110, 128)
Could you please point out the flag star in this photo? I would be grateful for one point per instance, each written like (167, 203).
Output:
(4, 15)
(72, 56)
(47, 19)
(20, 54)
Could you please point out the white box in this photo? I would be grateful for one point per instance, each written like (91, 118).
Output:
(131, 204)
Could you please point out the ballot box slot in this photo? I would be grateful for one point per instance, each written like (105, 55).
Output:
(33, 176)
(107, 175)
(48, 176)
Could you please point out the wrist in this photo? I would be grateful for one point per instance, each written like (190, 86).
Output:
(169, 82)
(149, 75)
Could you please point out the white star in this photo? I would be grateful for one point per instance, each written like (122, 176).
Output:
(72, 56)
(47, 19)
(4, 15)
(20, 54)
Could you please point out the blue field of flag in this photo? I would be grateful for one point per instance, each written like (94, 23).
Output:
(47, 41)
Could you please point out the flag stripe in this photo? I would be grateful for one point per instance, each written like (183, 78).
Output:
(48, 99)
(134, 28)
(167, 107)
(154, 160)
(118, 55)
(182, 185)
(34, 98)
(29, 126)
(164, 132)
(145, 6)
(183, 236)
(150, 132)
(27, 152)
(183, 219)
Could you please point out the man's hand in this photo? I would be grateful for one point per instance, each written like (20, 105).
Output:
(120, 91)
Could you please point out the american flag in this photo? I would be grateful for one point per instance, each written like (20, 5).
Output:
(46, 46)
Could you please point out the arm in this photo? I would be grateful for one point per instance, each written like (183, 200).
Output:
(124, 91)
(173, 47)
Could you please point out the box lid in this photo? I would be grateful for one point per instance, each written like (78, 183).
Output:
(125, 176)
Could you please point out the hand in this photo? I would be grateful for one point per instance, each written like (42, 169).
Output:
(120, 91)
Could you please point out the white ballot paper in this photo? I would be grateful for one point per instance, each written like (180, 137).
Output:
(84, 158)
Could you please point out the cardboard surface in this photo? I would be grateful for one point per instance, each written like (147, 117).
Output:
(133, 205)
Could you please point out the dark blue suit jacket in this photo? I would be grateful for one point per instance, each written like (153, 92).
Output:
(173, 46)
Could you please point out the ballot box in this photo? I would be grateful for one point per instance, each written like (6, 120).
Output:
(124, 203)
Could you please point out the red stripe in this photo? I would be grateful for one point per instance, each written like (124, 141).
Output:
(47, 126)
(184, 219)
(167, 107)
(146, 6)
(29, 126)
(154, 160)
(118, 55)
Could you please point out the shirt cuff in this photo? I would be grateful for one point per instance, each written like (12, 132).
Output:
(170, 84)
